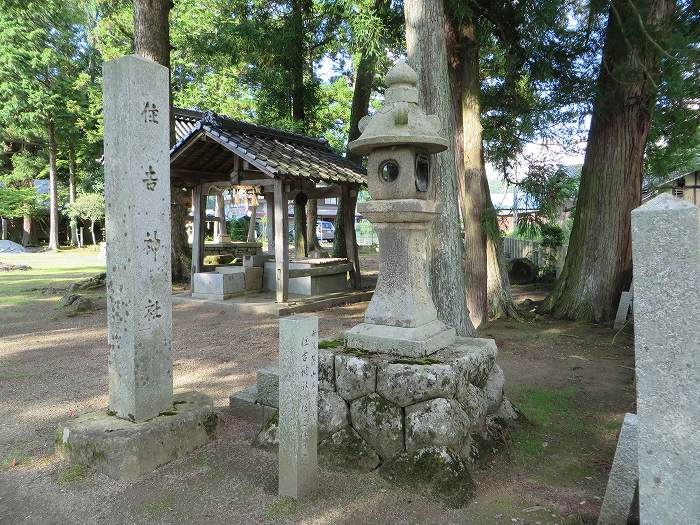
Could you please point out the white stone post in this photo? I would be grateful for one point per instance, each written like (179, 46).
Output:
(137, 197)
(298, 406)
(666, 252)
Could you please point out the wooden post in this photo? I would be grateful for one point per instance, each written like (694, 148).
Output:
(270, 220)
(350, 197)
(221, 232)
(281, 248)
(199, 209)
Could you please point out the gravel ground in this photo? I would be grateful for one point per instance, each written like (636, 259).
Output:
(54, 367)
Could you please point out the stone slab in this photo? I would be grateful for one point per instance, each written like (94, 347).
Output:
(666, 255)
(405, 384)
(298, 406)
(244, 404)
(313, 285)
(213, 285)
(125, 450)
(408, 342)
(623, 309)
(137, 220)
(268, 380)
(623, 479)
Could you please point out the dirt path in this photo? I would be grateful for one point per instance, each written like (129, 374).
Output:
(570, 381)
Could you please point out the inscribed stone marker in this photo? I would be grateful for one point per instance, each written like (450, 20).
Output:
(298, 406)
(137, 218)
(623, 476)
(665, 248)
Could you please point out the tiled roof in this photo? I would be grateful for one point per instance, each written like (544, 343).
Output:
(276, 152)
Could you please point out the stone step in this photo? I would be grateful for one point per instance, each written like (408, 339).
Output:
(268, 386)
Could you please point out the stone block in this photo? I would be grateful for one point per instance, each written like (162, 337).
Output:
(413, 342)
(475, 358)
(407, 384)
(326, 370)
(354, 376)
(125, 450)
(254, 261)
(665, 241)
(473, 402)
(253, 279)
(622, 482)
(217, 286)
(268, 381)
(298, 406)
(436, 423)
(380, 423)
(493, 389)
(332, 414)
(346, 451)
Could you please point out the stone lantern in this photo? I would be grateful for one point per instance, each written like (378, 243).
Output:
(400, 141)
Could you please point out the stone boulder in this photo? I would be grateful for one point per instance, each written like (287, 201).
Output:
(436, 471)
(405, 384)
(332, 414)
(380, 423)
(354, 376)
(436, 423)
(326, 370)
(473, 402)
(346, 451)
(493, 390)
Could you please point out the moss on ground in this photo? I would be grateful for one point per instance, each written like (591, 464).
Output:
(281, 508)
(72, 473)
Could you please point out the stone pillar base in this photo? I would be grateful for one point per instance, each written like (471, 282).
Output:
(125, 450)
(415, 342)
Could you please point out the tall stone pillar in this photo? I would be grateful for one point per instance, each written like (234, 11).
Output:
(137, 197)
(666, 253)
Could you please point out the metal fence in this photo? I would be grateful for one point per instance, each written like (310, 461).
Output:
(514, 248)
(366, 236)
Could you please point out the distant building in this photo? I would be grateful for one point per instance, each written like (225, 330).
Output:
(685, 186)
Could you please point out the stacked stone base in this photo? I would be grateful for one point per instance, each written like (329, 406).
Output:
(397, 413)
(125, 450)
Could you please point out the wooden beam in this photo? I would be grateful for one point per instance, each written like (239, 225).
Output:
(256, 182)
(326, 269)
(281, 247)
(193, 140)
(318, 193)
(199, 205)
(350, 198)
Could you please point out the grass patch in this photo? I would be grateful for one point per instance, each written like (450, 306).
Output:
(72, 473)
(281, 508)
(337, 342)
(159, 506)
(16, 456)
(17, 288)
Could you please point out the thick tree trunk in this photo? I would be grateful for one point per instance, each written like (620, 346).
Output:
(362, 92)
(467, 81)
(427, 53)
(152, 41)
(71, 194)
(598, 263)
(251, 224)
(298, 62)
(92, 232)
(311, 220)
(300, 245)
(498, 292)
(28, 237)
(53, 189)
(3, 228)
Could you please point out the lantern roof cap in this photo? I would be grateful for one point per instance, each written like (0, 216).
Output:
(400, 121)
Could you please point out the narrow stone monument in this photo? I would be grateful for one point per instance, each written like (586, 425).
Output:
(622, 482)
(298, 406)
(144, 426)
(666, 253)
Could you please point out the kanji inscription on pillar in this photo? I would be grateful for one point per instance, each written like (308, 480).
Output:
(137, 198)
